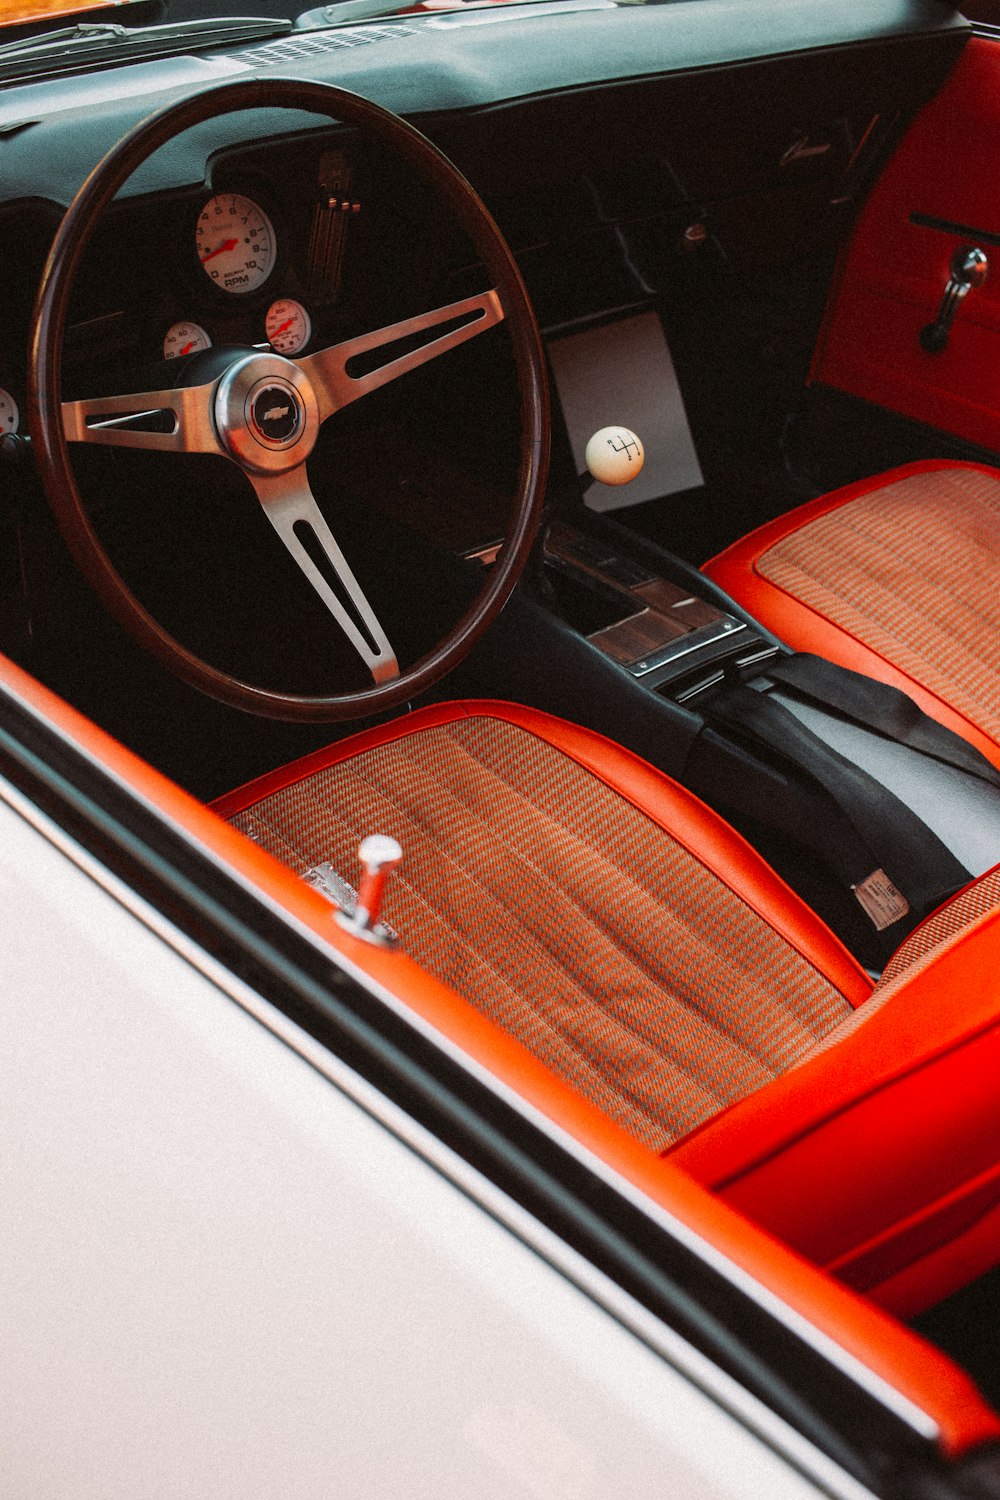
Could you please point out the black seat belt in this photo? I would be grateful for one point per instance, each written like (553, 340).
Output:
(795, 784)
(880, 708)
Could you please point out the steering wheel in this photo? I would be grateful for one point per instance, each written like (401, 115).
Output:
(263, 412)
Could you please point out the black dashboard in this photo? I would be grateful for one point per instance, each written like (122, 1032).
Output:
(732, 134)
(627, 153)
(635, 157)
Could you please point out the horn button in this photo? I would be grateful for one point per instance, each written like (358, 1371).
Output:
(266, 413)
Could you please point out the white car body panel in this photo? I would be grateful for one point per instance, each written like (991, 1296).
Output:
(223, 1277)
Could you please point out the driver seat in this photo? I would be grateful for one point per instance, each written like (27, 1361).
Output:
(619, 931)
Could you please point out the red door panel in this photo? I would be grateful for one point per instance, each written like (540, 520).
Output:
(940, 192)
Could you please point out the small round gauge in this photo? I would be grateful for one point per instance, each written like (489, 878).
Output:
(235, 243)
(288, 326)
(9, 414)
(184, 338)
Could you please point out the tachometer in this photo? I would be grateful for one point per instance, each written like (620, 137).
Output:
(288, 326)
(235, 243)
(184, 338)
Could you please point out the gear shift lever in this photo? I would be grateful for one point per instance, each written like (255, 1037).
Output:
(614, 455)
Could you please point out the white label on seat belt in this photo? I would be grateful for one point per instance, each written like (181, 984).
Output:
(883, 903)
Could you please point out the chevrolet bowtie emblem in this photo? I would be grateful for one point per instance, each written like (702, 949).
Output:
(277, 415)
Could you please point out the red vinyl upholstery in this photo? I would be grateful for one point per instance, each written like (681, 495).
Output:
(895, 577)
(894, 1115)
(917, 1371)
(612, 925)
(938, 186)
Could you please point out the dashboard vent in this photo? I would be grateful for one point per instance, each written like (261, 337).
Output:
(292, 49)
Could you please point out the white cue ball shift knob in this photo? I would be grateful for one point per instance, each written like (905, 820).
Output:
(614, 455)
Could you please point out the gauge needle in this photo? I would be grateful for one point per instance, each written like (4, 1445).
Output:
(219, 250)
(188, 347)
(285, 325)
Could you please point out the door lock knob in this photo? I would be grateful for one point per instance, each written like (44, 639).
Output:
(379, 856)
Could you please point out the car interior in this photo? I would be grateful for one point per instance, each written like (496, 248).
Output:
(585, 481)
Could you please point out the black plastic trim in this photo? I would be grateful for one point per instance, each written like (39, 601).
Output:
(952, 226)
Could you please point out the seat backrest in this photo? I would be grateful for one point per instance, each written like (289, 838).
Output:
(879, 1155)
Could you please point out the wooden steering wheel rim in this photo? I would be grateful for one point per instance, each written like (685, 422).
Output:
(51, 449)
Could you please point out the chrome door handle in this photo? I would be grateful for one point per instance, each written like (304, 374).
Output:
(969, 266)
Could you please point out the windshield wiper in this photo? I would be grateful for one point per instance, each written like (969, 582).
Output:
(81, 46)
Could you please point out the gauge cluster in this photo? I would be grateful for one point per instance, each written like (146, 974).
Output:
(255, 258)
(245, 262)
(288, 243)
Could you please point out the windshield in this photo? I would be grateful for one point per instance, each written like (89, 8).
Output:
(16, 12)
(28, 18)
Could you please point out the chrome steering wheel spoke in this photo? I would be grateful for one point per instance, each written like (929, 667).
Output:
(141, 420)
(336, 387)
(291, 508)
(263, 414)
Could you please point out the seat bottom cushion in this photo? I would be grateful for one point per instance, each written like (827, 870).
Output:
(576, 910)
(895, 577)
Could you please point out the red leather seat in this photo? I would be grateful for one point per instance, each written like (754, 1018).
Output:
(622, 933)
(895, 577)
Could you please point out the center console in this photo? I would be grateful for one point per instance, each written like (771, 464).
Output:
(616, 634)
(668, 636)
